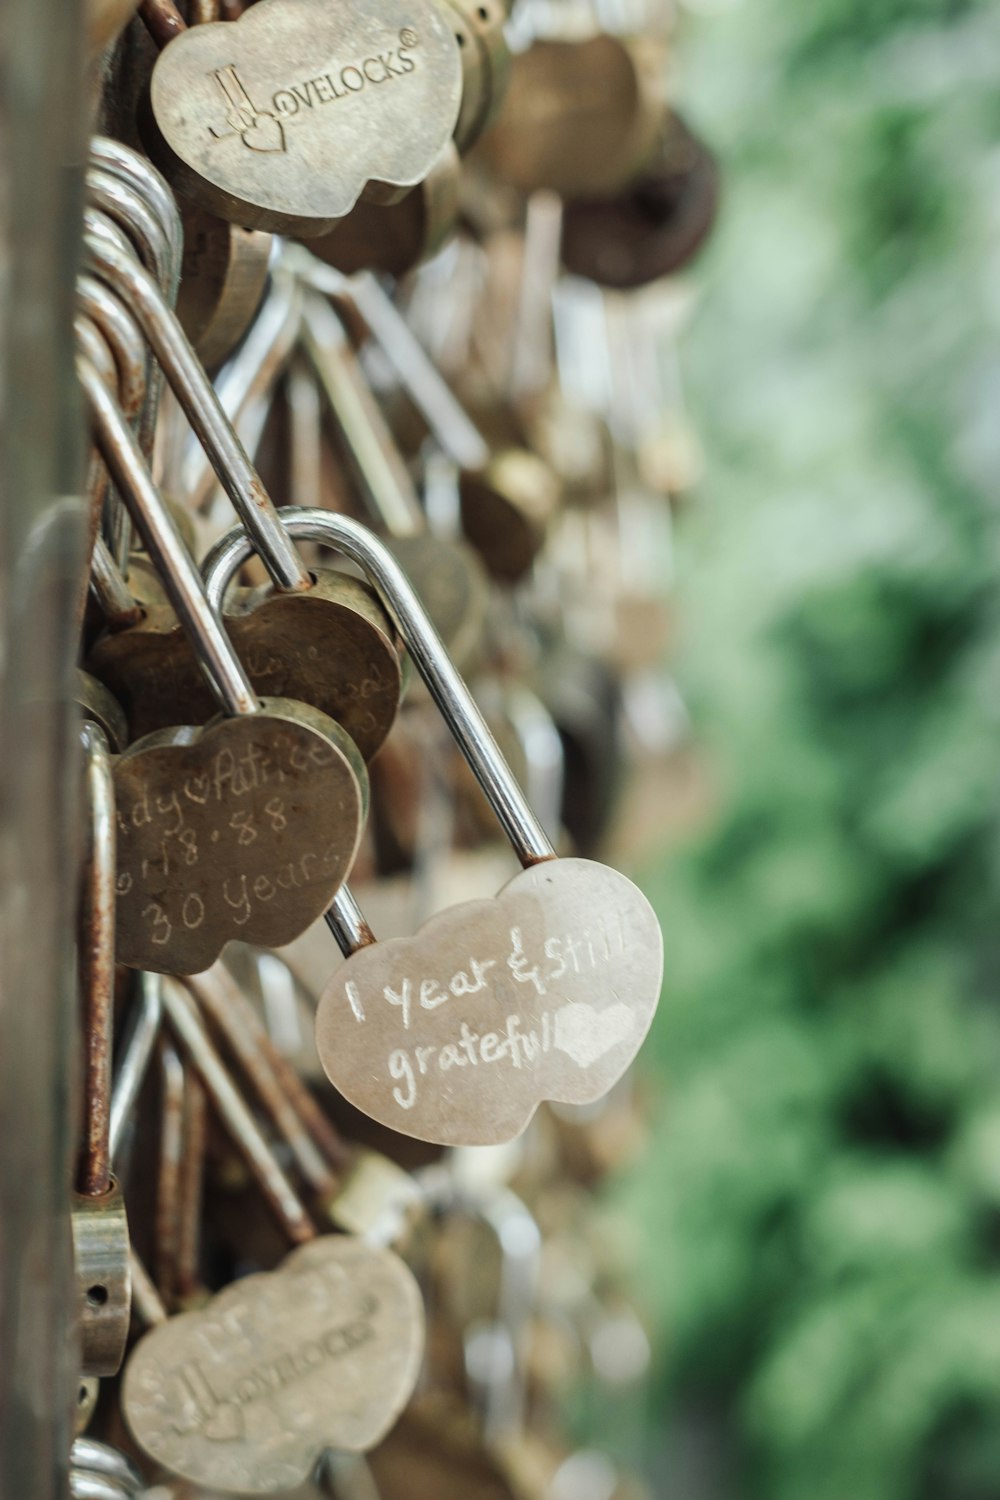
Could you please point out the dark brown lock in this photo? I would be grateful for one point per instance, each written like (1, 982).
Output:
(332, 647)
(396, 237)
(580, 118)
(223, 276)
(656, 226)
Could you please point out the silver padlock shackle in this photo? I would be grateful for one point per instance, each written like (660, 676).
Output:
(121, 201)
(100, 1459)
(112, 261)
(96, 958)
(125, 206)
(188, 1027)
(165, 545)
(450, 424)
(109, 314)
(139, 172)
(109, 588)
(519, 1240)
(252, 372)
(372, 452)
(445, 685)
(134, 1056)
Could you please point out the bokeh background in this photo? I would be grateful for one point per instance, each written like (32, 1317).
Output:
(817, 1220)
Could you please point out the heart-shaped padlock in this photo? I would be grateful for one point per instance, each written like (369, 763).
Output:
(319, 637)
(282, 119)
(245, 828)
(457, 1034)
(246, 1394)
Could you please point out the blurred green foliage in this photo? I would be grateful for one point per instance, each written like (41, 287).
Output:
(820, 1214)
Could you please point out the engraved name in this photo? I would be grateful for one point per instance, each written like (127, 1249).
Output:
(263, 129)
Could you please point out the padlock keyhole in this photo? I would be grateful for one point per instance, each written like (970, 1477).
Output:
(97, 1296)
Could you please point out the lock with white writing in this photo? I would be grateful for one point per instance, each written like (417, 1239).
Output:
(545, 992)
(100, 1227)
(282, 119)
(318, 637)
(243, 828)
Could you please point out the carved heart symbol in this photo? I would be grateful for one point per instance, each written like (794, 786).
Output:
(197, 788)
(457, 1034)
(322, 1353)
(361, 95)
(265, 134)
(585, 1034)
(245, 829)
(225, 1425)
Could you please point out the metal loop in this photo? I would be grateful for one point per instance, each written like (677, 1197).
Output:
(138, 170)
(455, 703)
(197, 396)
(165, 545)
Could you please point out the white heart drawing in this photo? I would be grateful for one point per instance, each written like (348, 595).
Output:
(585, 1033)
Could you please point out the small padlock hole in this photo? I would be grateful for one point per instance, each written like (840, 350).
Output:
(97, 1295)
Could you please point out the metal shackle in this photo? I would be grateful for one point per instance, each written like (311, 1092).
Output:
(446, 686)
(109, 258)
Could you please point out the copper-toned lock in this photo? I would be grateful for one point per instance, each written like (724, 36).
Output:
(580, 118)
(656, 226)
(282, 119)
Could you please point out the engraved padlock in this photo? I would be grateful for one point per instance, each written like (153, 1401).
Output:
(242, 829)
(282, 119)
(335, 651)
(560, 972)
(100, 1227)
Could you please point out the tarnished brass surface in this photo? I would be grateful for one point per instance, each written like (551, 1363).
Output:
(449, 581)
(507, 509)
(332, 647)
(396, 237)
(244, 829)
(282, 119)
(457, 1034)
(245, 1395)
(580, 118)
(103, 1279)
(223, 276)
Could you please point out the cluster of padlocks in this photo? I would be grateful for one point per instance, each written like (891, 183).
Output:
(374, 415)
